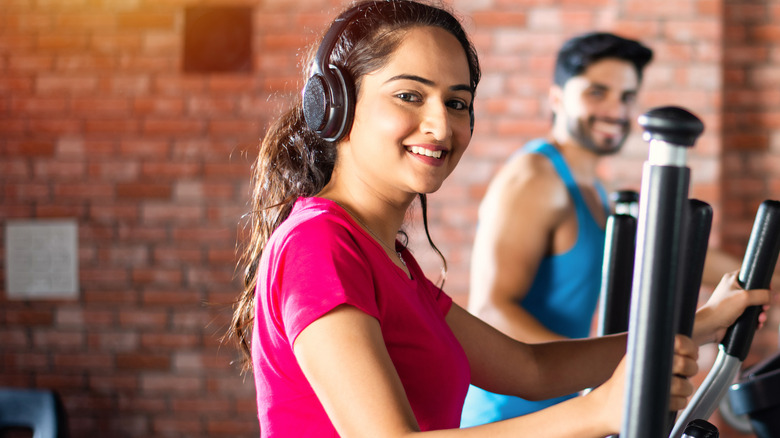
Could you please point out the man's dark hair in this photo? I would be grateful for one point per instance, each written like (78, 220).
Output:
(581, 51)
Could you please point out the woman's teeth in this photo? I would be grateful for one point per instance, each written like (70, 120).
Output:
(422, 151)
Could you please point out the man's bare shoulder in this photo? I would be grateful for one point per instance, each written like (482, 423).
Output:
(528, 181)
(530, 172)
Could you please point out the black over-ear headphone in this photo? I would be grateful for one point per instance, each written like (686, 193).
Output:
(329, 93)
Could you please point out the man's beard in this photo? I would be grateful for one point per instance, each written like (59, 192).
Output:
(582, 131)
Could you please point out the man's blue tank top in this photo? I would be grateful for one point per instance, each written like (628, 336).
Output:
(563, 295)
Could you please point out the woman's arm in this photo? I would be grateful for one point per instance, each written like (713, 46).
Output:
(533, 371)
(345, 360)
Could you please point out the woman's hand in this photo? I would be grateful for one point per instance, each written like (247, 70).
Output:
(725, 305)
(684, 366)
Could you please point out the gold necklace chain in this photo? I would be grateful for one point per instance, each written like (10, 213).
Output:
(371, 232)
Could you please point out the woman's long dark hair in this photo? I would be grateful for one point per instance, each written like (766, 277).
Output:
(294, 162)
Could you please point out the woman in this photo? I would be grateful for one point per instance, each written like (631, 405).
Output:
(348, 337)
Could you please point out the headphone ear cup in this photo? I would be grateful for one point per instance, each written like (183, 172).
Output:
(329, 104)
(315, 103)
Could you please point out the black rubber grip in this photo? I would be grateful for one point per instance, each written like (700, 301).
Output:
(758, 266)
(695, 252)
(617, 273)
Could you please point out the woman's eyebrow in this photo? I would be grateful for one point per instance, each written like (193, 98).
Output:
(428, 82)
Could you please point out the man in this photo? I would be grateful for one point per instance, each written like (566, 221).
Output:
(537, 255)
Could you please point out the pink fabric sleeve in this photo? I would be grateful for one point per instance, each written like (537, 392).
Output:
(321, 268)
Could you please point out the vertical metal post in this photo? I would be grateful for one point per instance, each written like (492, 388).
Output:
(660, 233)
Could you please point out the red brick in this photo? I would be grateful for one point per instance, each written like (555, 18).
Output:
(112, 127)
(203, 235)
(104, 276)
(91, 191)
(170, 384)
(143, 361)
(176, 255)
(156, 276)
(140, 318)
(105, 106)
(181, 214)
(187, 320)
(144, 233)
(113, 383)
(29, 317)
(115, 171)
(30, 148)
(61, 42)
(198, 362)
(210, 406)
(188, 426)
(124, 255)
(54, 126)
(143, 191)
(162, 106)
(147, 63)
(171, 297)
(59, 211)
(146, 20)
(80, 317)
(102, 296)
(79, 147)
(31, 63)
(84, 21)
(15, 337)
(165, 341)
(232, 427)
(499, 19)
(239, 84)
(211, 106)
(24, 361)
(113, 43)
(29, 191)
(55, 84)
(147, 404)
(60, 382)
(113, 341)
(84, 361)
(126, 85)
(112, 213)
(58, 340)
(183, 127)
(226, 170)
(147, 148)
(178, 85)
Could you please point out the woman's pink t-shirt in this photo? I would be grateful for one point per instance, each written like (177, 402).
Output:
(319, 258)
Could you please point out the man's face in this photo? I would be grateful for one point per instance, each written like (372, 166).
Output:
(596, 107)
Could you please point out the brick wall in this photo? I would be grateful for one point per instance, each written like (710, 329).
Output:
(99, 124)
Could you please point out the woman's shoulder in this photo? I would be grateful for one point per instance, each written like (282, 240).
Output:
(314, 219)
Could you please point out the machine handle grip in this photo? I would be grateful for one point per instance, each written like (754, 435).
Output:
(695, 251)
(756, 273)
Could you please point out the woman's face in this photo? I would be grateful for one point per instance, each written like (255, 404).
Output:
(411, 123)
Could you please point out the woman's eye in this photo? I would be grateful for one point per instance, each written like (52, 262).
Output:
(457, 104)
(408, 97)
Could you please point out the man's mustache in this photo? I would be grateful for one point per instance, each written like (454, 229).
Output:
(624, 123)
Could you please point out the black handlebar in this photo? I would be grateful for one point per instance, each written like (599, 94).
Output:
(756, 273)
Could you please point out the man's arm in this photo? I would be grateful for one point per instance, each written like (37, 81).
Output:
(522, 208)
